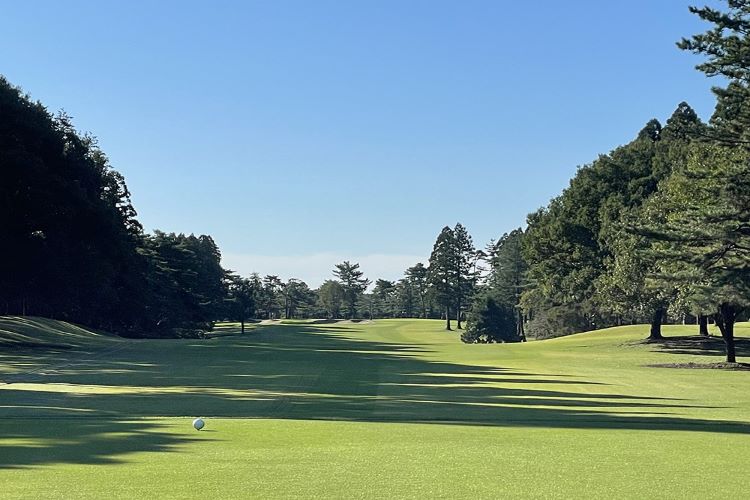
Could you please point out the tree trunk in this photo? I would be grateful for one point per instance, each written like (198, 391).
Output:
(655, 333)
(447, 318)
(725, 321)
(703, 325)
(458, 314)
(519, 326)
(242, 325)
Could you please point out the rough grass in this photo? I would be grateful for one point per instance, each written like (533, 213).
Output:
(392, 408)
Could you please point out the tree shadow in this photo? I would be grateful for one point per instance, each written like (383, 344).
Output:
(91, 441)
(702, 346)
(304, 372)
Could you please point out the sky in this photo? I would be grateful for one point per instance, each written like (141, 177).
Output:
(303, 133)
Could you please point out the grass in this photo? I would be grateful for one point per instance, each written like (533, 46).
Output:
(392, 408)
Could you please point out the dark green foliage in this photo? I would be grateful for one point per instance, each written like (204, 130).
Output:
(67, 226)
(557, 321)
(442, 271)
(72, 248)
(405, 300)
(507, 279)
(297, 298)
(242, 296)
(353, 284)
(417, 279)
(725, 47)
(490, 321)
(699, 229)
(330, 297)
(384, 294)
(580, 254)
(185, 292)
(465, 270)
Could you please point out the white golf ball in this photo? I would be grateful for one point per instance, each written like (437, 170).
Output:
(198, 423)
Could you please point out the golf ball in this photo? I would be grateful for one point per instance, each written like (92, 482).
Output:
(198, 423)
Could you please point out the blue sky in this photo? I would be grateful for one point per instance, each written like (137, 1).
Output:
(299, 134)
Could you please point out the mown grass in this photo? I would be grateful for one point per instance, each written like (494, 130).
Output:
(392, 408)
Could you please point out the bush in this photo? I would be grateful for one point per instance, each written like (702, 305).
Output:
(490, 321)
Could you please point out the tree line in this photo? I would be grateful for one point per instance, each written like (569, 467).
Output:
(656, 230)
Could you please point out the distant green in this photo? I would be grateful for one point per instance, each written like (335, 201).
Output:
(389, 409)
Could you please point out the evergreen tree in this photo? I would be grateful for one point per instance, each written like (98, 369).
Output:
(725, 47)
(507, 279)
(385, 291)
(242, 294)
(406, 298)
(490, 321)
(465, 270)
(701, 238)
(330, 296)
(417, 277)
(353, 284)
(442, 273)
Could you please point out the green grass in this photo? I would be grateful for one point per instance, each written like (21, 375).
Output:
(393, 408)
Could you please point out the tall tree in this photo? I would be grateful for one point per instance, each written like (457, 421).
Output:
(725, 47)
(270, 295)
(385, 292)
(405, 301)
(242, 293)
(295, 293)
(507, 279)
(353, 284)
(702, 235)
(417, 276)
(330, 296)
(442, 271)
(465, 269)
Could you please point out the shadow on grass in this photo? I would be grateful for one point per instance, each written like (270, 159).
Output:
(93, 441)
(305, 372)
(702, 346)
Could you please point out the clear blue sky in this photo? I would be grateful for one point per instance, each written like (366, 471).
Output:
(301, 133)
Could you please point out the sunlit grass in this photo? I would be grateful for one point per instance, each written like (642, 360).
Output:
(392, 408)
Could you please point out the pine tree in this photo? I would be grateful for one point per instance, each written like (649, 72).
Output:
(417, 276)
(701, 237)
(442, 271)
(465, 272)
(353, 284)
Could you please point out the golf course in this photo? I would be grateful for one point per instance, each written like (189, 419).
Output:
(381, 409)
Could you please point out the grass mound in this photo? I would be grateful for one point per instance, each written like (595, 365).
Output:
(43, 334)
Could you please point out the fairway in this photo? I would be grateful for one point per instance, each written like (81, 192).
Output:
(391, 408)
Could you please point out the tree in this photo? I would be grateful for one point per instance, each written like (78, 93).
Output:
(725, 47)
(185, 290)
(569, 244)
(353, 284)
(490, 321)
(270, 295)
(331, 295)
(405, 298)
(242, 293)
(702, 238)
(417, 277)
(442, 271)
(507, 278)
(385, 291)
(295, 293)
(465, 269)
(68, 229)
